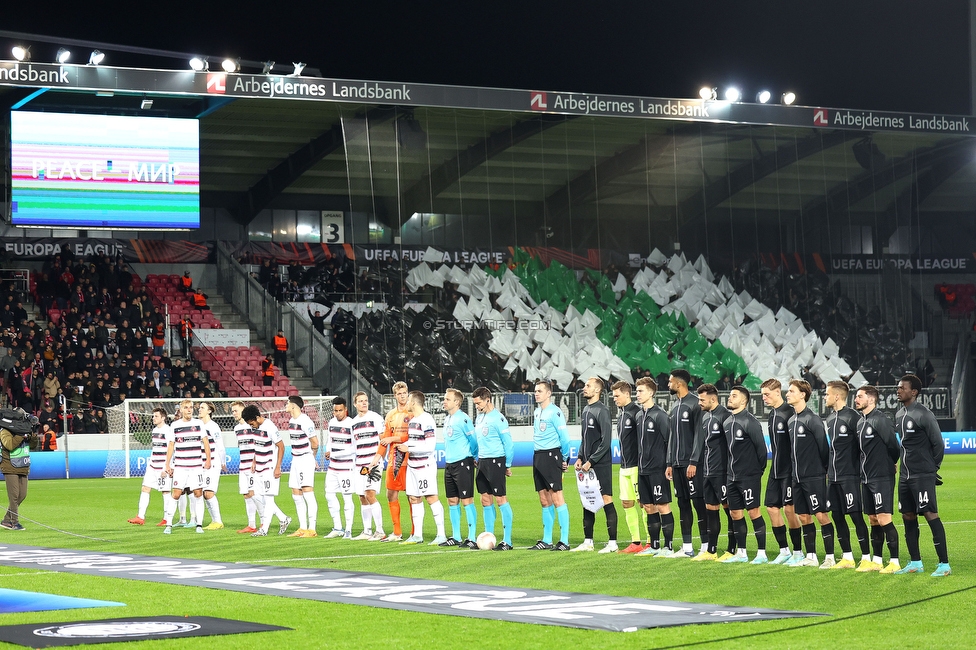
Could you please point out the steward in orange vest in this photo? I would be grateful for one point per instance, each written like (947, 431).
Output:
(267, 370)
(186, 282)
(199, 300)
(281, 352)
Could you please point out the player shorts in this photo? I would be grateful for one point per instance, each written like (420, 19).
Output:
(779, 492)
(157, 480)
(459, 479)
(396, 481)
(917, 495)
(878, 496)
(266, 484)
(713, 490)
(654, 488)
(188, 478)
(422, 482)
(339, 482)
(745, 493)
(245, 481)
(627, 483)
(810, 495)
(302, 472)
(363, 484)
(491, 476)
(684, 487)
(547, 470)
(211, 478)
(604, 474)
(844, 495)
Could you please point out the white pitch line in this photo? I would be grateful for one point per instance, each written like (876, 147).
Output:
(33, 573)
(276, 560)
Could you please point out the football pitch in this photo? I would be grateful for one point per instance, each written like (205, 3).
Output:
(866, 610)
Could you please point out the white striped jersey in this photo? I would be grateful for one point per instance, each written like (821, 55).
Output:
(188, 439)
(342, 453)
(245, 445)
(266, 439)
(217, 452)
(366, 431)
(301, 430)
(421, 441)
(161, 436)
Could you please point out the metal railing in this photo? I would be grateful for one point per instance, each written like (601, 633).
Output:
(311, 350)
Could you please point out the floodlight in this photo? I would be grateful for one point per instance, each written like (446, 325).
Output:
(63, 55)
(96, 57)
(732, 94)
(231, 65)
(763, 96)
(199, 63)
(789, 98)
(20, 52)
(298, 68)
(267, 67)
(707, 93)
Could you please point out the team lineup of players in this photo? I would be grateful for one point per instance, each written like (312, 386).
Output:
(831, 470)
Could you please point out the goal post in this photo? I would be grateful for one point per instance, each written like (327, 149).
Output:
(131, 422)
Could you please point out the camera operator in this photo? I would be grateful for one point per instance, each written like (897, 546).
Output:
(15, 465)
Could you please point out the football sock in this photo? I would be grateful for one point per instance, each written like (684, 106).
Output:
(702, 513)
(562, 516)
(589, 519)
(740, 532)
(488, 512)
(197, 504)
(313, 509)
(455, 513)
(713, 522)
(259, 504)
(417, 515)
(939, 539)
(796, 539)
(377, 518)
(861, 530)
(779, 532)
(437, 510)
(181, 507)
(214, 509)
(611, 512)
(843, 531)
(471, 515)
(733, 540)
(548, 519)
(302, 510)
(250, 510)
(911, 539)
(350, 510)
(809, 532)
(366, 512)
(169, 508)
(827, 532)
(891, 536)
(654, 529)
(143, 504)
(667, 525)
(759, 529)
(395, 515)
(633, 523)
(685, 518)
(877, 540)
(333, 502)
(507, 517)
(271, 509)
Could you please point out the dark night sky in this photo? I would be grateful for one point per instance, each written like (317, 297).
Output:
(886, 55)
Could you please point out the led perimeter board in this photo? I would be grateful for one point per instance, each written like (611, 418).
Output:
(104, 171)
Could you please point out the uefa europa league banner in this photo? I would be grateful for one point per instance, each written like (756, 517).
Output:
(146, 251)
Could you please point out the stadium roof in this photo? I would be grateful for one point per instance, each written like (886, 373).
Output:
(542, 158)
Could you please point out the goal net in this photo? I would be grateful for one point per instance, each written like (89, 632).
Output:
(130, 426)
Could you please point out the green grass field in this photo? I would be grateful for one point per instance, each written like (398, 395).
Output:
(868, 610)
